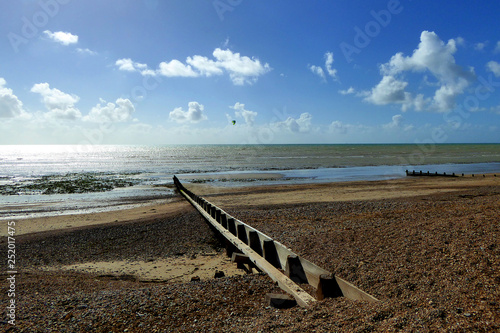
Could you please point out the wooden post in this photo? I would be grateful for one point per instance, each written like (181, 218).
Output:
(270, 253)
(294, 269)
(217, 215)
(231, 226)
(254, 241)
(223, 220)
(242, 233)
(327, 287)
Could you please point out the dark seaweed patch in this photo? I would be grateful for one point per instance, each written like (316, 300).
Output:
(69, 183)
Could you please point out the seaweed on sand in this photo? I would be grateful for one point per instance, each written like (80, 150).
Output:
(69, 183)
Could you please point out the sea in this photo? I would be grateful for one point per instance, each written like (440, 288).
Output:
(41, 180)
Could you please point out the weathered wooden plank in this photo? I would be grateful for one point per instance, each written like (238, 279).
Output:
(352, 292)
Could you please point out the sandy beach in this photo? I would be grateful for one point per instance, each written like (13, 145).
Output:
(427, 247)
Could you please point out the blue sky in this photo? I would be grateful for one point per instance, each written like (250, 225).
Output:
(168, 72)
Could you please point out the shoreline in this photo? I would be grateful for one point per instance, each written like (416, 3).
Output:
(229, 197)
(39, 205)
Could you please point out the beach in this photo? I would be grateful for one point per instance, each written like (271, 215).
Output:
(426, 247)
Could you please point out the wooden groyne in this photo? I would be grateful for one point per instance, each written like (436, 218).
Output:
(436, 174)
(429, 174)
(248, 245)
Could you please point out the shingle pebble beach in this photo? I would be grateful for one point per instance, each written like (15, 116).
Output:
(432, 260)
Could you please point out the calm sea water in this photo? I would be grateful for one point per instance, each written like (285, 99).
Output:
(153, 166)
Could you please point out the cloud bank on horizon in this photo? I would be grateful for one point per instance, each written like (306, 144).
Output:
(385, 79)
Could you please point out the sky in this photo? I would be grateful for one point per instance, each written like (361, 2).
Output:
(179, 72)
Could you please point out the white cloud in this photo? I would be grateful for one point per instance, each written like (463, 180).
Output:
(125, 64)
(445, 96)
(204, 65)
(460, 41)
(128, 65)
(434, 56)
(420, 102)
(497, 47)
(494, 67)
(339, 127)
(248, 115)
(348, 91)
(328, 64)
(109, 112)
(395, 123)
(10, 105)
(86, 51)
(318, 71)
(301, 124)
(241, 69)
(64, 38)
(59, 104)
(389, 90)
(194, 113)
(480, 46)
(175, 68)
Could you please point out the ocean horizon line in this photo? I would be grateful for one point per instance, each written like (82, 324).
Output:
(254, 144)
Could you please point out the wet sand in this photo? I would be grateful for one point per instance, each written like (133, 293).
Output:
(258, 195)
